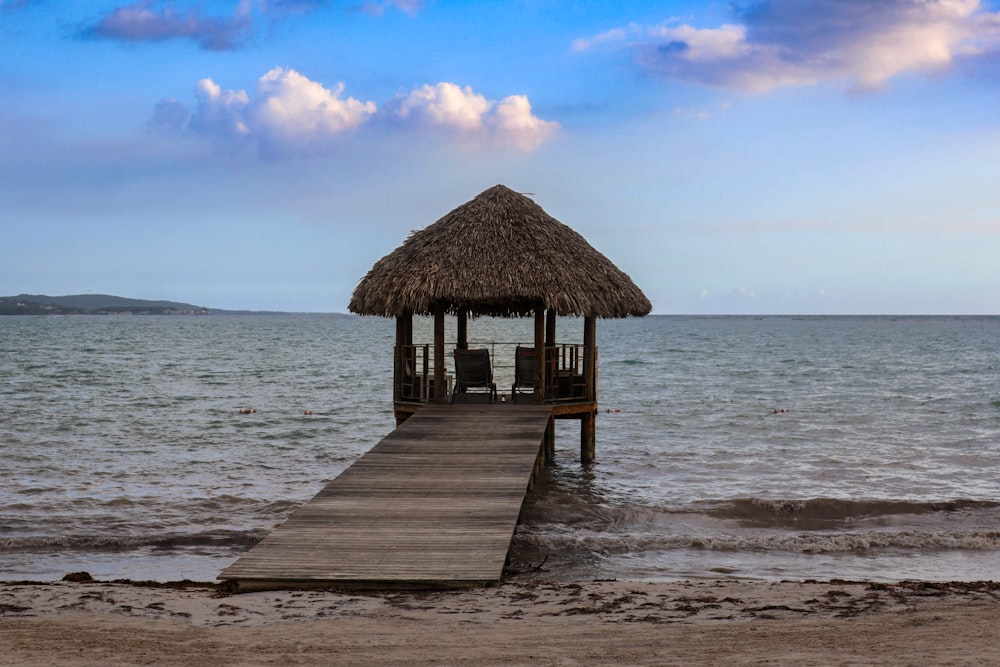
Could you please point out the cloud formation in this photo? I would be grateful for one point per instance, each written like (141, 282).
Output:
(777, 43)
(473, 119)
(291, 115)
(152, 21)
(160, 20)
(445, 105)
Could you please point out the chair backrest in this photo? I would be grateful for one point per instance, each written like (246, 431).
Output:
(472, 368)
(524, 366)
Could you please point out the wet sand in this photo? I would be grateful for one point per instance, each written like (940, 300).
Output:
(588, 623)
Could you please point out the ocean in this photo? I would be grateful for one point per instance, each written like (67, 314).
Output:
(770, 448)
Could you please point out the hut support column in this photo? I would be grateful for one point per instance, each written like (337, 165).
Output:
(463, 330)
(399, 358)
(550, 328)
(550, 350)
(440, 390)
(549, 441)
(540, 354)
(588, 423)
(404, 366)
(588, 437)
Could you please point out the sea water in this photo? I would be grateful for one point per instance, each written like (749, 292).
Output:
(162, 447)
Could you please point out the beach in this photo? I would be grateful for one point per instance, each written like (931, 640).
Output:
(731, 622)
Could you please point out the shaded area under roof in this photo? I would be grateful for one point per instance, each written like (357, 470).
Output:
(499, 254)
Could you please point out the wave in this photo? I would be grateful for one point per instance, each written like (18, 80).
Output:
(51, 543)
(815, 512)
(611, 544)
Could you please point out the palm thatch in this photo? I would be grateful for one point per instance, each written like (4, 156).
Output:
(499, 254)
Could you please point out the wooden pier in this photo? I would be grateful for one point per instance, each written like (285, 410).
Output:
(433, 505)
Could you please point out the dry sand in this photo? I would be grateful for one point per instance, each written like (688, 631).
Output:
(589, 623)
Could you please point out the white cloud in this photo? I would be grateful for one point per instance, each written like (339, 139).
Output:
(292, 112)
(473, 118)
(805, 42)
(446, 105)
(220, 113)
(612, 36)
(515, 126)
(291, 115)
(703, 45)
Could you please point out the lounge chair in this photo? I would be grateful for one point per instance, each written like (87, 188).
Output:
(473, 371)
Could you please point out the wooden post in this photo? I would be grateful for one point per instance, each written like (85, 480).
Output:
(540, 354)
(590, 357)
(588, 423)
(550, 441)
(550, 328)
(404, 342)
(398, 359)
(536, 470)
(588, 439)
(550, 351)
(440, 391)
(463, 330)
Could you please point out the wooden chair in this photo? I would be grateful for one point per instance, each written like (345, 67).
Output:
(524, 371)
(473, 371)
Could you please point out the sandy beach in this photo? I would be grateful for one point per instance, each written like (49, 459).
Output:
(586, 623)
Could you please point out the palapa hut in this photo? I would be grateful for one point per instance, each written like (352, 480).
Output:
(501, 255)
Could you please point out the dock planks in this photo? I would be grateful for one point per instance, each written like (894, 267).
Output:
(433, 505)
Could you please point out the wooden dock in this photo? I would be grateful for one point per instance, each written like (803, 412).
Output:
(433, 505)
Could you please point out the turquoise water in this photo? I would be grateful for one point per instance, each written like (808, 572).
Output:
(770, 448)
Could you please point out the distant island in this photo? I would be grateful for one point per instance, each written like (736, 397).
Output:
(93, 304)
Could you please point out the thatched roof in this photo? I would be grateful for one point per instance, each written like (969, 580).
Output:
(498, 254)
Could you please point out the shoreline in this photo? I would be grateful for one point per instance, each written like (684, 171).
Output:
(724, 621)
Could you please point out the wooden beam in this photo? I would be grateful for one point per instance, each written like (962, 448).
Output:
(550, 441)
(550, 328)
(540, 354)
(463, 330)
(590, 357)
(408, 328)
(397, 358)
(588, 423)
(588, 437)
(440, 391)
(404, 339)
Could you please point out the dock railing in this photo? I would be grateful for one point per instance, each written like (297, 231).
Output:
(564, 378)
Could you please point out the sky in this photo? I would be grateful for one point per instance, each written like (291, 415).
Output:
(749, 157)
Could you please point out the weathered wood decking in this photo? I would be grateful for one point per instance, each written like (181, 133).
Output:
(433, 505)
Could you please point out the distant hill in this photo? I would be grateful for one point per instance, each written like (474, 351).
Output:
(93, 304)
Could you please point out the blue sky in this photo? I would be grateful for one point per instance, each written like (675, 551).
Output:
(790, 156)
